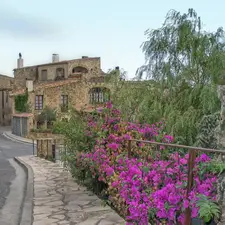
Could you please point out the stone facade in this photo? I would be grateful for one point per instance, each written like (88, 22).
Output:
(6, 84)
(85, 67)
(71, 80)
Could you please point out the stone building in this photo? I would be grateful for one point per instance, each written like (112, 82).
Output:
(84, 67)
(58, 85)
(6, 84)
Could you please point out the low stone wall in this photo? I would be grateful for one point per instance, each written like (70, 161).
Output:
(36, 135)
(49, 148)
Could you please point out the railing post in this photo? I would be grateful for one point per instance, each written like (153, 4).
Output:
(37, 148)
(33, 146)
(191, 162)
(42, 147)
(53, 150)
(129, 149)
(47, 147)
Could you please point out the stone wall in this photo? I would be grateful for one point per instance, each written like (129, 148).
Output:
(77, 91)
(6, 84)
(44, 147)
(93, 66)
(52, 71)
(221, 128)
(5, 108)
(221, 143)
(20, 76)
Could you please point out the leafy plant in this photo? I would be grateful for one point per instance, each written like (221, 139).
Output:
(214, 166)
(208, 209)
(146, 186)
(183, 63)
(47, 115)
(21, 104)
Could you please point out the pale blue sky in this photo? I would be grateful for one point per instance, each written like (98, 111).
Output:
(113, 30)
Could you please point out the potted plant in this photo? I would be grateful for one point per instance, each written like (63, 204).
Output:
(209, 211)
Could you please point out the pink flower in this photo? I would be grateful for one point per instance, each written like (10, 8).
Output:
(109, 105)
(186, 204)
(113, 146)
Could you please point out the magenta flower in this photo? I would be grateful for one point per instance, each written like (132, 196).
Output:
(109, 105)
(147, 183)
(113, 146)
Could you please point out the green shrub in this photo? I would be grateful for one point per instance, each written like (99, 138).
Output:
(21, 102)
(47, 115)
(41, 130)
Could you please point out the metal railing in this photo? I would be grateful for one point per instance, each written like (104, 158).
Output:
(192, 151)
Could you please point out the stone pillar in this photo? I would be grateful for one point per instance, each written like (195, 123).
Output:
(221, 144)
(221, 128)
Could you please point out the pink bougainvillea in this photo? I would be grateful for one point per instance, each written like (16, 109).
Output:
(149, 185)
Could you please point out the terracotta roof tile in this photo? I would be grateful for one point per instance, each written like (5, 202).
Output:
(23, 114)
(18, 92)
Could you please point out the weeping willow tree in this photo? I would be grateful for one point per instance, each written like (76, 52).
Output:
(181, 49)
(183, 64)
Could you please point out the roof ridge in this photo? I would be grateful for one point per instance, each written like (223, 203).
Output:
(55, 63)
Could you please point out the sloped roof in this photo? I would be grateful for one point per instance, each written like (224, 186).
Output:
(60, 62)
(7, 77)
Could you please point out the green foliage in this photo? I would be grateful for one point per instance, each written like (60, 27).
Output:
(182, 106)
(214, 166)
(74, 132)
(182, 49)
(21, 104)
(183, 63)
(208, 209)
(115, 75)
(41, 130)
(47, 114)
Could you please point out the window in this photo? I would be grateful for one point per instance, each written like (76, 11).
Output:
(44, 75)
(39, 102)
(99, 95)
(79, 69)
(64, 103)
(60, 74)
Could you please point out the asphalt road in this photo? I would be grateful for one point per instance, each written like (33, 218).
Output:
(12, 179)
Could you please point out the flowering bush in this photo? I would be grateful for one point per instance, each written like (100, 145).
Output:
(151, 184)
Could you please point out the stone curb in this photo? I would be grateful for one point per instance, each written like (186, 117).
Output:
(27, 205)
(12, 138)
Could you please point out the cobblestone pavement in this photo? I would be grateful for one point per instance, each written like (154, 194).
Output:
(58, 200)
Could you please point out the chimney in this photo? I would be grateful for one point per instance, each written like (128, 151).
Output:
(29, 85)
(55, 58)
(20, 61)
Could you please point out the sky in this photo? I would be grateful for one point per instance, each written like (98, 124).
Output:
(113, 30)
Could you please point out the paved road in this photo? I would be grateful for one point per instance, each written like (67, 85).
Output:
(12, 179)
